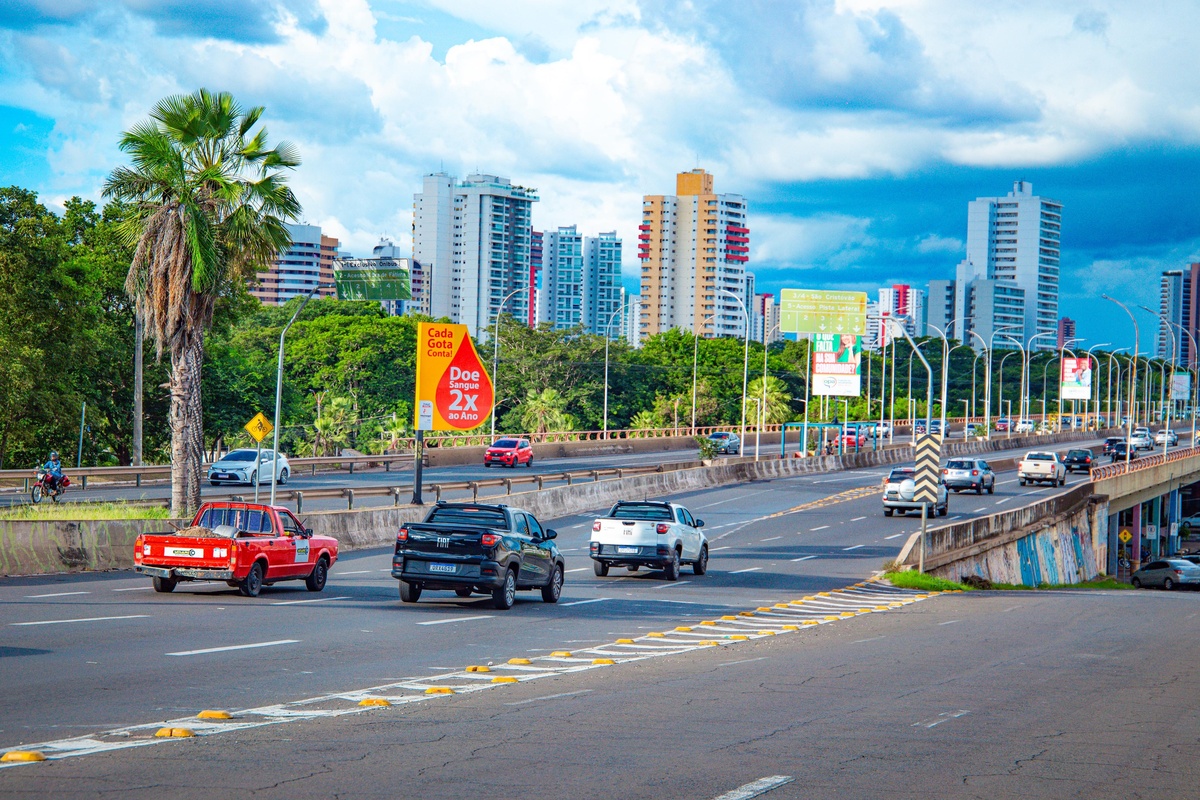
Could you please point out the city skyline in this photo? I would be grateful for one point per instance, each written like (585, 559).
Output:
(856, 174)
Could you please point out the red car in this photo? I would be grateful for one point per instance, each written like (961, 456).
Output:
(247, 545)
(509, 453)
(852, 442)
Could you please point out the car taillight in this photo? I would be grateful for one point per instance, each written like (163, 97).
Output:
(233, 555)
(489, 540)
(945, 472)
(662, 527)
(402, 534)
(596, 525)
(974, 473)
(1177, 571)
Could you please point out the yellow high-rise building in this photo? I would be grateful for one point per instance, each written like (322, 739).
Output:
(693, 245)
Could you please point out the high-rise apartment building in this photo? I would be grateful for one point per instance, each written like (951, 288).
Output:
(1180, 304)
(693, 247)
(602, 284)
(766, 318)
(560, 299)
(307, 262)
(1066, 332)
(898, 300)
(631, 318)
(1015, 240)
(536, 242)
(992, 309)
(473, 240)
(939, 307)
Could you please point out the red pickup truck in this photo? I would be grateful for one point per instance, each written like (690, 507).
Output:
(247, 545)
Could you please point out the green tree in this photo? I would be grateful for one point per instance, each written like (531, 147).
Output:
(208, 205)
(778, 402)
(545, 411)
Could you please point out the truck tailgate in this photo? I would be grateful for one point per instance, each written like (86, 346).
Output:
(189, 552)
(625, 532)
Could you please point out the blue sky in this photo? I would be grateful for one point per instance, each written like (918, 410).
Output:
(857, 129)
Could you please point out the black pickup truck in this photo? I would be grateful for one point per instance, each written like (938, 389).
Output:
(478, 548)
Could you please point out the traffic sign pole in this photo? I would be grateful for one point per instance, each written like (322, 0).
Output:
(418, 464)
(258, 469)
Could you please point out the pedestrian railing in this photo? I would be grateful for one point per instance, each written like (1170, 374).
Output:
(1144, 462)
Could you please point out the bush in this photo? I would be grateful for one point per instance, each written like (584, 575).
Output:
(922, 582)
(708, 448)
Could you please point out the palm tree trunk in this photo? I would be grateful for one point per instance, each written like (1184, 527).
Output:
(187, 429)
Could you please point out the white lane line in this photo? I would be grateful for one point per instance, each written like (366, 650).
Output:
(954, 518)
(53, 594)
(456, 619)
(748, 569)
(353, 572)
(548, 697)
(715, 549)
(1004, 500)
(82, 619)
(584, 602)
(578, 569)
(894, 536)
(945, 716)
(671, 585)
(770, 539)
(950, 622)
(134, 589)
(317, 600)
(858, 519)
(731, 499)
(756, 788)
(742, 661)
(979, 510)
(803, 558)
(821, 528)
(234, 647)
(852, 547)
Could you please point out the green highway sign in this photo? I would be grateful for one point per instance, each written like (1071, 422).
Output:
(372, 279)
(821, 311)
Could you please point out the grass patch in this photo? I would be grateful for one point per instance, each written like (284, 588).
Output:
(922, 582)
(84, 511)
(1097, 583)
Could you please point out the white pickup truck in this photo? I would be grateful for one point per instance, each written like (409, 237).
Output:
(648, 533)
(1042, 466)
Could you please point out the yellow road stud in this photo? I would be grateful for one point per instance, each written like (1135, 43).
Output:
(745, 613)
(737, 637)
(811, 622)
(173, 733)
(214, 715)
(791, 627)
(13, 756)
(520, 662)
(478, 668)
(728, 618)
(831, 619)
(808, 597)
(824, 594)
(708, 622)
(881, 608)
(655, 635)
(504, 679)
(561, 654)
(763, 608)
(373, 702)
(766, 633)
(624, 641)
(708, 643)
(439, 690)
(603, 662)
(683, 629)
(865, 610)
(781, 605)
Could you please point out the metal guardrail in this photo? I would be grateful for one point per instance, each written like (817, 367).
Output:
(1144, 462)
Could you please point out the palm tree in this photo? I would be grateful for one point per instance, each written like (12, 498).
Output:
(208, 205)
(778, 406)
(545, 411)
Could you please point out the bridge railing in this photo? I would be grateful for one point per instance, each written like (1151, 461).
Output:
(1143, 462)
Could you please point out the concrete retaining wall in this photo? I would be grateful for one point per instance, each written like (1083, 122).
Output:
(457, 456)
(28, 548)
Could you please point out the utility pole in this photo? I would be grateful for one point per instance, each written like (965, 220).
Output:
(138, 336)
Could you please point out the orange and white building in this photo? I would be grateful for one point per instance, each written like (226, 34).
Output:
(308, 262)
(692, 245)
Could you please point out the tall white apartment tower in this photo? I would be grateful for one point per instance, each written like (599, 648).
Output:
(692, 245)
(1016, 240)
(472, 239)
(602, 284)
(560, 300)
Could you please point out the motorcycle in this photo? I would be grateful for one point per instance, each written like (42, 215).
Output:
(42, 487)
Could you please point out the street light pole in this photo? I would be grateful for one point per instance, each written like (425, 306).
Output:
(745, 363)
(695, 353)
(1133, 372)
(1174, 349)
(1192, 368)
(279, 397)
(1096, 381)
(929, 379)
(762, 414)
(496, 352)
(607, 330)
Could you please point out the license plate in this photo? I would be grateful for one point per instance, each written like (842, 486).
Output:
(223, 475)
(448, 569)
(627, 550)
(185, 552)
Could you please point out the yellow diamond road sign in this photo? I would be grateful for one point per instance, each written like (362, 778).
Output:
(259, 427)
(1125, 536)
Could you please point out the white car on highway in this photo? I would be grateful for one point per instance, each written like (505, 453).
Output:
(1140, 440)
(900, 489)
(648, 533)
(241, 466)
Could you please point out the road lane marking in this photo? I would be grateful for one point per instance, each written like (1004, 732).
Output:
(748, 569)
(317, 600)
(770, 539)
(743, 661)
(852, 547)
(353, 572)
(945, 716)
(715, 549)
(950, 622)
(803, 558)
(456, 619)
(585, 602)
(226, 649)
(82, 619)
(979, 510)
(135, 589)
(1004, 500)
(731, 499)
(954, 518)
(52, 594)
(578, 569)
(756, 788)
(548, 697)
(894, 536)
(671, 585)
(858, 519)
(821, 528)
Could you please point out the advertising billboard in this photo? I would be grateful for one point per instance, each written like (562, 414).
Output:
(454, 391)
(1181, 386)
(1076, 379)
(817, 311)
(837, 365)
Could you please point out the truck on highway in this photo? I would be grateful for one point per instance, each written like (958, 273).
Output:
(478, 548)
(247, 545)
(648, 533)
(1042, 466)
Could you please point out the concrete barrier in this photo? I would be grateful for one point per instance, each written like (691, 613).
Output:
(28, 547)
(458, 456)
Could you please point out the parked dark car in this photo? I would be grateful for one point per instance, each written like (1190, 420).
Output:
(726, 442)
(1079, 460)
(1167, 573)
(478, 548)
(1110, 443)
(1120, 450)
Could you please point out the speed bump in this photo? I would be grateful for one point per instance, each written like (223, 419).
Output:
(624, 641)
(683, 629)
(504, 679)
(655, 635)
(709, 643)
(173, 733)
(728, 618)
(478, 668)
(561, 654)
(374, 701)
(737, 637)
(766, 633)
(603, 662)
(708, 622)
(791, 627)
(520, 662)
(439, 690)
(14, 756)
(210, 714)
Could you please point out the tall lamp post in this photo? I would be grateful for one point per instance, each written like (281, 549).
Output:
(496, 350)
(1133, 370)
(607, 339)
(695, 353)
(1001, 404)
(1192, 368)
(745, 362)
(762, 412)
(279, 394)
(1096, 380)
(1174, 349)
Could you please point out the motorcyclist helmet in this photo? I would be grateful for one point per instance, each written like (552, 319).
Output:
(53, 456)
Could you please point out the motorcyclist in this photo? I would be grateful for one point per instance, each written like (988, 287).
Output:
(53, 468)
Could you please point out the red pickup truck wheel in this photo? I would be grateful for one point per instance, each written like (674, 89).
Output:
(315, 581)
(252, 584)
(164, 584)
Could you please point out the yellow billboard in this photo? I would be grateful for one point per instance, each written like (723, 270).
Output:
(454, 391)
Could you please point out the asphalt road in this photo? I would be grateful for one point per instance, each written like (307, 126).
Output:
(97, 651)
(979, 695)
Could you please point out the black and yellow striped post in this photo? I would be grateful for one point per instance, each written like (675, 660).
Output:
(929, 456)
